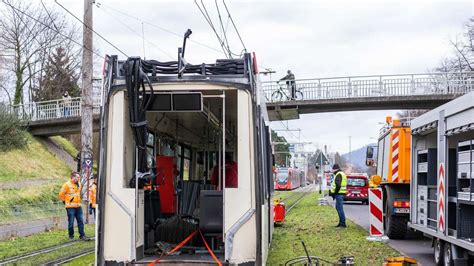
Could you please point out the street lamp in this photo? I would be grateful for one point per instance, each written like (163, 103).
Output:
(350, 151)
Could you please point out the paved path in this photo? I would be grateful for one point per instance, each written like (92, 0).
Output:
(59, 152)
(415, 247)
(26, 228)
(24, 183)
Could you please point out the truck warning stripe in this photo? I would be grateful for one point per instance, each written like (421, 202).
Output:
(395, 149)
(441, 194)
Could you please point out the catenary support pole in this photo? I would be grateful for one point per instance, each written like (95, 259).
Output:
(86, 104)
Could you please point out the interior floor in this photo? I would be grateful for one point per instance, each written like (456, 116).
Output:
(201, 259)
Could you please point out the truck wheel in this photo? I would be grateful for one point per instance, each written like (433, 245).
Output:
(438, 251)
(448, 255)
(396, 226)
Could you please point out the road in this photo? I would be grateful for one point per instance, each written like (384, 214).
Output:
(418, 248)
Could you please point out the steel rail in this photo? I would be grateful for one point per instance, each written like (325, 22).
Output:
(39, 252)
(302, 194)
(292, 195)
(67, 259)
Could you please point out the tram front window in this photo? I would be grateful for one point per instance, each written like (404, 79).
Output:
(282, 177)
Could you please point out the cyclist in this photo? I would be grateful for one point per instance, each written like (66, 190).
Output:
(290, 83)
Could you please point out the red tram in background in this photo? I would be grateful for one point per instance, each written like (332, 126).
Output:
(287, 179)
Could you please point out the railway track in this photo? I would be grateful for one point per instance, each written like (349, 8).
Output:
(67, 259)
(15, 259)
(298, 196)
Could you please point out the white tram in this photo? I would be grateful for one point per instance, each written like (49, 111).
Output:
(172, 136)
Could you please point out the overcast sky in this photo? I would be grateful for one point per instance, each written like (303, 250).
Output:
(312, 38)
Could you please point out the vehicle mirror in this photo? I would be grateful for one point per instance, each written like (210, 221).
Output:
(370, 153)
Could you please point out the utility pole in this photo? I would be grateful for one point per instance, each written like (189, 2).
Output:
(268, 71)
(86, 103)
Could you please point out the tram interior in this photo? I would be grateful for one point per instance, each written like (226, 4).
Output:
(185, 153)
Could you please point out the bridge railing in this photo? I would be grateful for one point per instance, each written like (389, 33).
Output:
(54, 109)
(371, 86)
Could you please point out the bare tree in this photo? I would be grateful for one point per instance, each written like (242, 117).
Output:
(462, 58)
(4, 92)
(410, 114)
(29, 33)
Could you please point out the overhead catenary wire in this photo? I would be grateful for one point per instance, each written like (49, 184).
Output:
(136, 32)
(286, 127)
(95, 32)
(208, 19)
(49, 15)
(159, 27)
(235, 27)
(26, 25)
(222, 27)
(49, 27)
(223, 40)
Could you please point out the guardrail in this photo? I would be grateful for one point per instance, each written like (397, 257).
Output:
(370, 86)
(306, 89)
(54, 109)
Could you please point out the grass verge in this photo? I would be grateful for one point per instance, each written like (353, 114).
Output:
(85, 260)
(65, 145)
(31, 162)
(21, 245)
(57, 254)
(69, 148)
(315, 226)
(31, 194)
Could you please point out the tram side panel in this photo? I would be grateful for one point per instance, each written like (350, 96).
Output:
(120, 200)
(242, 199)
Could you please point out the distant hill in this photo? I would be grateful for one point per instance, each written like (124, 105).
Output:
(358, 156)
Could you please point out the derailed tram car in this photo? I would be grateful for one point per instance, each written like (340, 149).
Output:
(185, 161)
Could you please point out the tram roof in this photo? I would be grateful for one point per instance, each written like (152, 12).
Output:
(234, 72)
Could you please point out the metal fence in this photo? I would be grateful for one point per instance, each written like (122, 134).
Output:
(12, 214)
(28, 219)
(54, 109)
(306, 89)
(371, 86)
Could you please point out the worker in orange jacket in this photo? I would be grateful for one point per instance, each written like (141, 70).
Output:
(70, 195)
(93, 197)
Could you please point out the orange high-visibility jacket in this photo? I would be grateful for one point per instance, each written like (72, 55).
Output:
(92, 195)
(70, 194)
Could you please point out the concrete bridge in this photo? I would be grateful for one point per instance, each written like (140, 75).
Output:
(50, 118)
(384, 92)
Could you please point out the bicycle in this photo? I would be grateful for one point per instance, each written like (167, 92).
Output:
(278, 95)
(309, 260)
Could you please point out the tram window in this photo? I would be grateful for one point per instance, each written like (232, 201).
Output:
(186, 168)
(184, 162)
(150, 157)
(150, 139)
(150, 154)
(187, 153)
